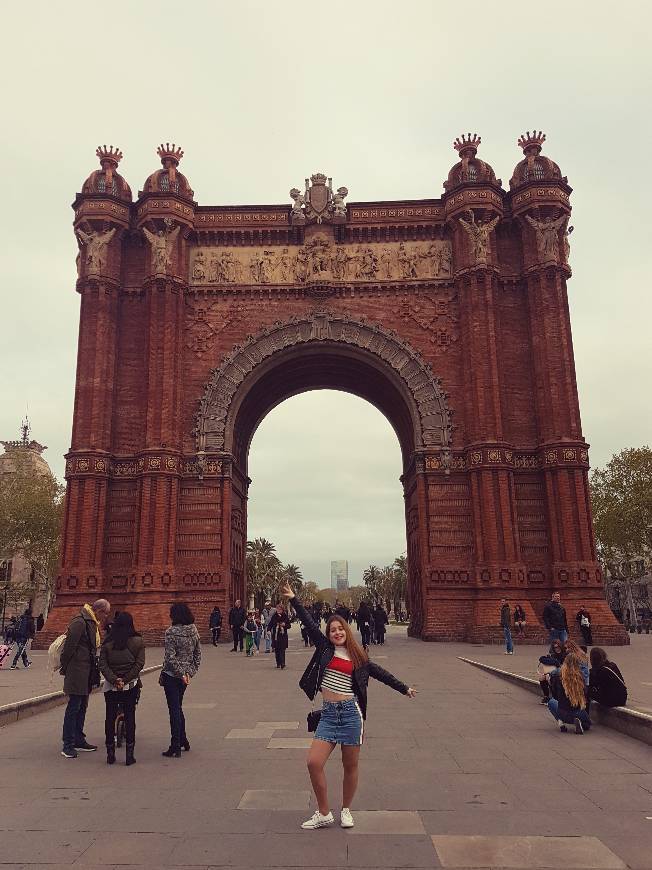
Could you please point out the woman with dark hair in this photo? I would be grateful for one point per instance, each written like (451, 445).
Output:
(340, 669)
(122, 658)
(180, 664)
(606, 684)
(550, 664)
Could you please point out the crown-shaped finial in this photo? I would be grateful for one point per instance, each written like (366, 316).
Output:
(467, 142)
(166, 153)
(108, 155)
(318, 178)
(532, 140)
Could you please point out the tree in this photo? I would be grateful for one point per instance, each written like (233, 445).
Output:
(399, 588)
(31, 517)
(372, 579)
(263, 570)
(621, 494)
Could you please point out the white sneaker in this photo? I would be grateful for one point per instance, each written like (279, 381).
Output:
(318, 821)
(346, 819)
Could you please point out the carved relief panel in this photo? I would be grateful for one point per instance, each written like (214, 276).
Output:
(320, 260)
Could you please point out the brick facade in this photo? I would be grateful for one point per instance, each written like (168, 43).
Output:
(450, 315)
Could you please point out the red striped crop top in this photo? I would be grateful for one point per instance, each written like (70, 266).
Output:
(338, 675)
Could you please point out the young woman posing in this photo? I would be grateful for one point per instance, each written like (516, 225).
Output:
(340, 669)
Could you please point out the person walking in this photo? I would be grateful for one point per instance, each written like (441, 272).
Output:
(237, 619)
(122, 658)
(215, 624)
(506, 625)
(340, 670)
(266, 615)
(569, 701)
(519, 620)
(250, 633)
(258, 619)
(583, 620)
(279, 625)
(25, 632)
(381, 620)
(554, 619)
(80, 671)
(180, 664)
(364, 623)
(606, 683)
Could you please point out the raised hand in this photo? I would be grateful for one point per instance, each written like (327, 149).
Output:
(286, 590)
(411, 693)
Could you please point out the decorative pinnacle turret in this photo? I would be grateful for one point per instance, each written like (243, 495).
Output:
(467, 145)
(108, 156)
(169, 156)
(532, 142)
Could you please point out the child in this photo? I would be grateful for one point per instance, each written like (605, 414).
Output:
(250, 632)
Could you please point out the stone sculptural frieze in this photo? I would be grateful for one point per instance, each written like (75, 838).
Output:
(320, 260)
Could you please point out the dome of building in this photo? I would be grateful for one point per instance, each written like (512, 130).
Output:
(106, 180)
(534, 167)
(168, 179)
(470, 170)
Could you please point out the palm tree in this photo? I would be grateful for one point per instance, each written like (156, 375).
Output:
(372, 580)
(263, 566)
(292, 574)
(399, 590)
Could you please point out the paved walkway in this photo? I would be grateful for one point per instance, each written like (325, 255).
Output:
(471, 774)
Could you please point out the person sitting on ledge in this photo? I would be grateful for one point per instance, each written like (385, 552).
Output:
(606, 684)
(568, 704)
(550, 663)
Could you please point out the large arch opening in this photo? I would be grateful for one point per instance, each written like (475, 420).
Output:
(325, 470)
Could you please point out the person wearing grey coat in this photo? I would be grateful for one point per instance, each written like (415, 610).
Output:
(180, 664)
(78, 660)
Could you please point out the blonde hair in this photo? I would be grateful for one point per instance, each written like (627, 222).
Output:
(358, 655)
(573, 681)
(572, 647)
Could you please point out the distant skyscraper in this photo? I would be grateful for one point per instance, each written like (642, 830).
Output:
(340, 574)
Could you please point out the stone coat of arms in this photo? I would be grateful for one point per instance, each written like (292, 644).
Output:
(318, 203)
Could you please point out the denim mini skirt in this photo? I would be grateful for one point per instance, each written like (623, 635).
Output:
(341, 722)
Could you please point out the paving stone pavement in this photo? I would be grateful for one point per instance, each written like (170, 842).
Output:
(471, 774)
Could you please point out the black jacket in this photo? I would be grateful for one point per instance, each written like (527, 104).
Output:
(606, 686)
(282, 622)
(237, 617)
(311, 680)
(557, 691)
(554, 616)
(26, 628)
(215, 619)
(505, 616)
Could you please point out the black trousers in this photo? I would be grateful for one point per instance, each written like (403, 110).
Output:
(279, 652)
(238, 637)
(175, 689)
(216, 631)
(128, 701)
(587, 634)
(365, 632)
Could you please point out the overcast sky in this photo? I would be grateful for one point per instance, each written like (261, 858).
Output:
(262, 94)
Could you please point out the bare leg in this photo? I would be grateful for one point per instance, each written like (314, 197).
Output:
(318, 755)
(350, 757)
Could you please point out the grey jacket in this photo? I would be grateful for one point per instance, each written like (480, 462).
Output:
(182, 651)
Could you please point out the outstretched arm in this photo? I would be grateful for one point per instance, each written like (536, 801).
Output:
(390, 680)
(151, 238)
(316, 635)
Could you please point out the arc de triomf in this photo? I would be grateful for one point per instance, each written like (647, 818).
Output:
(449, 314)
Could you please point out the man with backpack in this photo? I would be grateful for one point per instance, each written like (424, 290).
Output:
(24, 635)
(81, 672)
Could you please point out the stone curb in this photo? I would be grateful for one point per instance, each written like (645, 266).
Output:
(31, 706)
(628, 721)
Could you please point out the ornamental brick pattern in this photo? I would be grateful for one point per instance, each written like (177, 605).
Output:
(450, 315)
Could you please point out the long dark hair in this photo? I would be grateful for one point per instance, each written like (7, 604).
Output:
(181, 614)
(122, 629)
(598, 657)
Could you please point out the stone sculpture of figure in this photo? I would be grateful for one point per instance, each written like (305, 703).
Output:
(369, 263)
(267, 267)
(297, 215)
(431, 261)
(339, 209)
(161, 247)
(283, 267)
(386, 263)
(199, 267)
(95, 244)
(407, 262)
(547, 234)
(479, 235)
(256, 268)
(302, 266)
(445, 259)
(339, 263)
(567, 231)
(319, 253)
